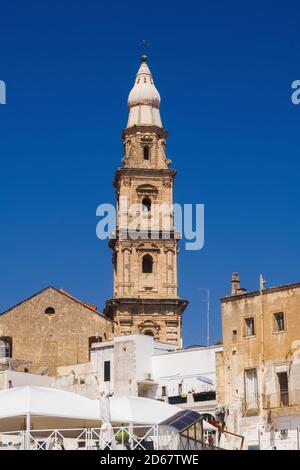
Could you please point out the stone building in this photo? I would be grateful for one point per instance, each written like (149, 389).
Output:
(51, 328)
(48, 330)
(137, 365)
(258, 372)
(145, 297)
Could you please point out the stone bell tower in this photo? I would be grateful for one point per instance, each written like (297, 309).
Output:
(145, 297)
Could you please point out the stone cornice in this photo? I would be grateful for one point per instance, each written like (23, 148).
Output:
(268, 290)
(163, 133)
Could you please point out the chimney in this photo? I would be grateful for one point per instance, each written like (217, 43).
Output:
(235, 283)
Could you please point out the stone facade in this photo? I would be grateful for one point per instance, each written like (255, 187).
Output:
(258, 372)
(41, 340)
(145, 268)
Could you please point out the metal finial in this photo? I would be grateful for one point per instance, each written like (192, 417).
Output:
(143, 44)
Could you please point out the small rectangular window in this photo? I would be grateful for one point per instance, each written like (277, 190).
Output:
(279, 322)
(106, 371)
(234, 336)
(249, 326)
(163, 391)
(146, 152)
(179, 389)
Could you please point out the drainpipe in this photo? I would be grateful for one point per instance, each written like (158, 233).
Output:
(262, 345)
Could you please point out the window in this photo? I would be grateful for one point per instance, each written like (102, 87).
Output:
(179, 389)
(147, 264)
(234, 336)
(146, 152)
(5, 347)
(251, 393)
(146, 202)
(279, 322)
(149, 333)
(283, 388)
(163, 391)
(106, 371)
(50, 310)
(249, 326)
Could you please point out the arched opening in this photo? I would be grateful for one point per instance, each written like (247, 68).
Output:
(5, 347)
(146, 152)
(147, 264)
(149, 333)
(146, 202)
(50, 310)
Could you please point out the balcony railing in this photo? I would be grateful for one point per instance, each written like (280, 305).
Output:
(281, 399)
(284, 398)
(251, 403)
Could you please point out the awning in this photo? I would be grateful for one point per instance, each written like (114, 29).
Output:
(48, 408)
(140, 410)
(45, 408)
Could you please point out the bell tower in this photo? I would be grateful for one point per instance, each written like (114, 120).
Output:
(145, 297)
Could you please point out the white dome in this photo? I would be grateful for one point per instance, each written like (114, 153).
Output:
(144, 99)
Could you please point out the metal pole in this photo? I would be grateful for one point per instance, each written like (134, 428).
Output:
(207, 312)
(27, 440)
(208, 308)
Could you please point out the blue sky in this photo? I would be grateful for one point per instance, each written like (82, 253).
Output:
(224, 71)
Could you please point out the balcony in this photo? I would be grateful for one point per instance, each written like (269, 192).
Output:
(250, 405)
(282, 399)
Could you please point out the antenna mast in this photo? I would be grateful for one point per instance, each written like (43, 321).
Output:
(207, 300)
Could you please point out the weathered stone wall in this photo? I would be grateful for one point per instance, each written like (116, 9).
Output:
(125, 368)
(268, 351)
(52, 339)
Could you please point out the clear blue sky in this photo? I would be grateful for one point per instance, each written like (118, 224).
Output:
(224, 71)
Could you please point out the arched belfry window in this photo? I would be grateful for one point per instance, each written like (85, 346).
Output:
(146, 202)
(147, 264)
(149, 333)
(146, 152)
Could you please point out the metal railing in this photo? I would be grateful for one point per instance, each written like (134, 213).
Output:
(281, 399)
(111, 438)
(251, 403)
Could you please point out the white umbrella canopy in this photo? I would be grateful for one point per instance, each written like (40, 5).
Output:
(140, 410)
(46, 408)
(49, 408)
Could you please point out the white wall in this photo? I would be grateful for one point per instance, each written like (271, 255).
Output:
(11, 378)
(188, 367)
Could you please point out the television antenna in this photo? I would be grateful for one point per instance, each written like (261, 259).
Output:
(205, 298)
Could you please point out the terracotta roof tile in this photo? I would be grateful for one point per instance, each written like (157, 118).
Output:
(85, 304)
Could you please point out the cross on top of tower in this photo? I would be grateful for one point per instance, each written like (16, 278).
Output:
(144, 44)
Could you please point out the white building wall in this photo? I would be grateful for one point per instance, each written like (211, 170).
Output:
(193, 368)
(11, 379)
